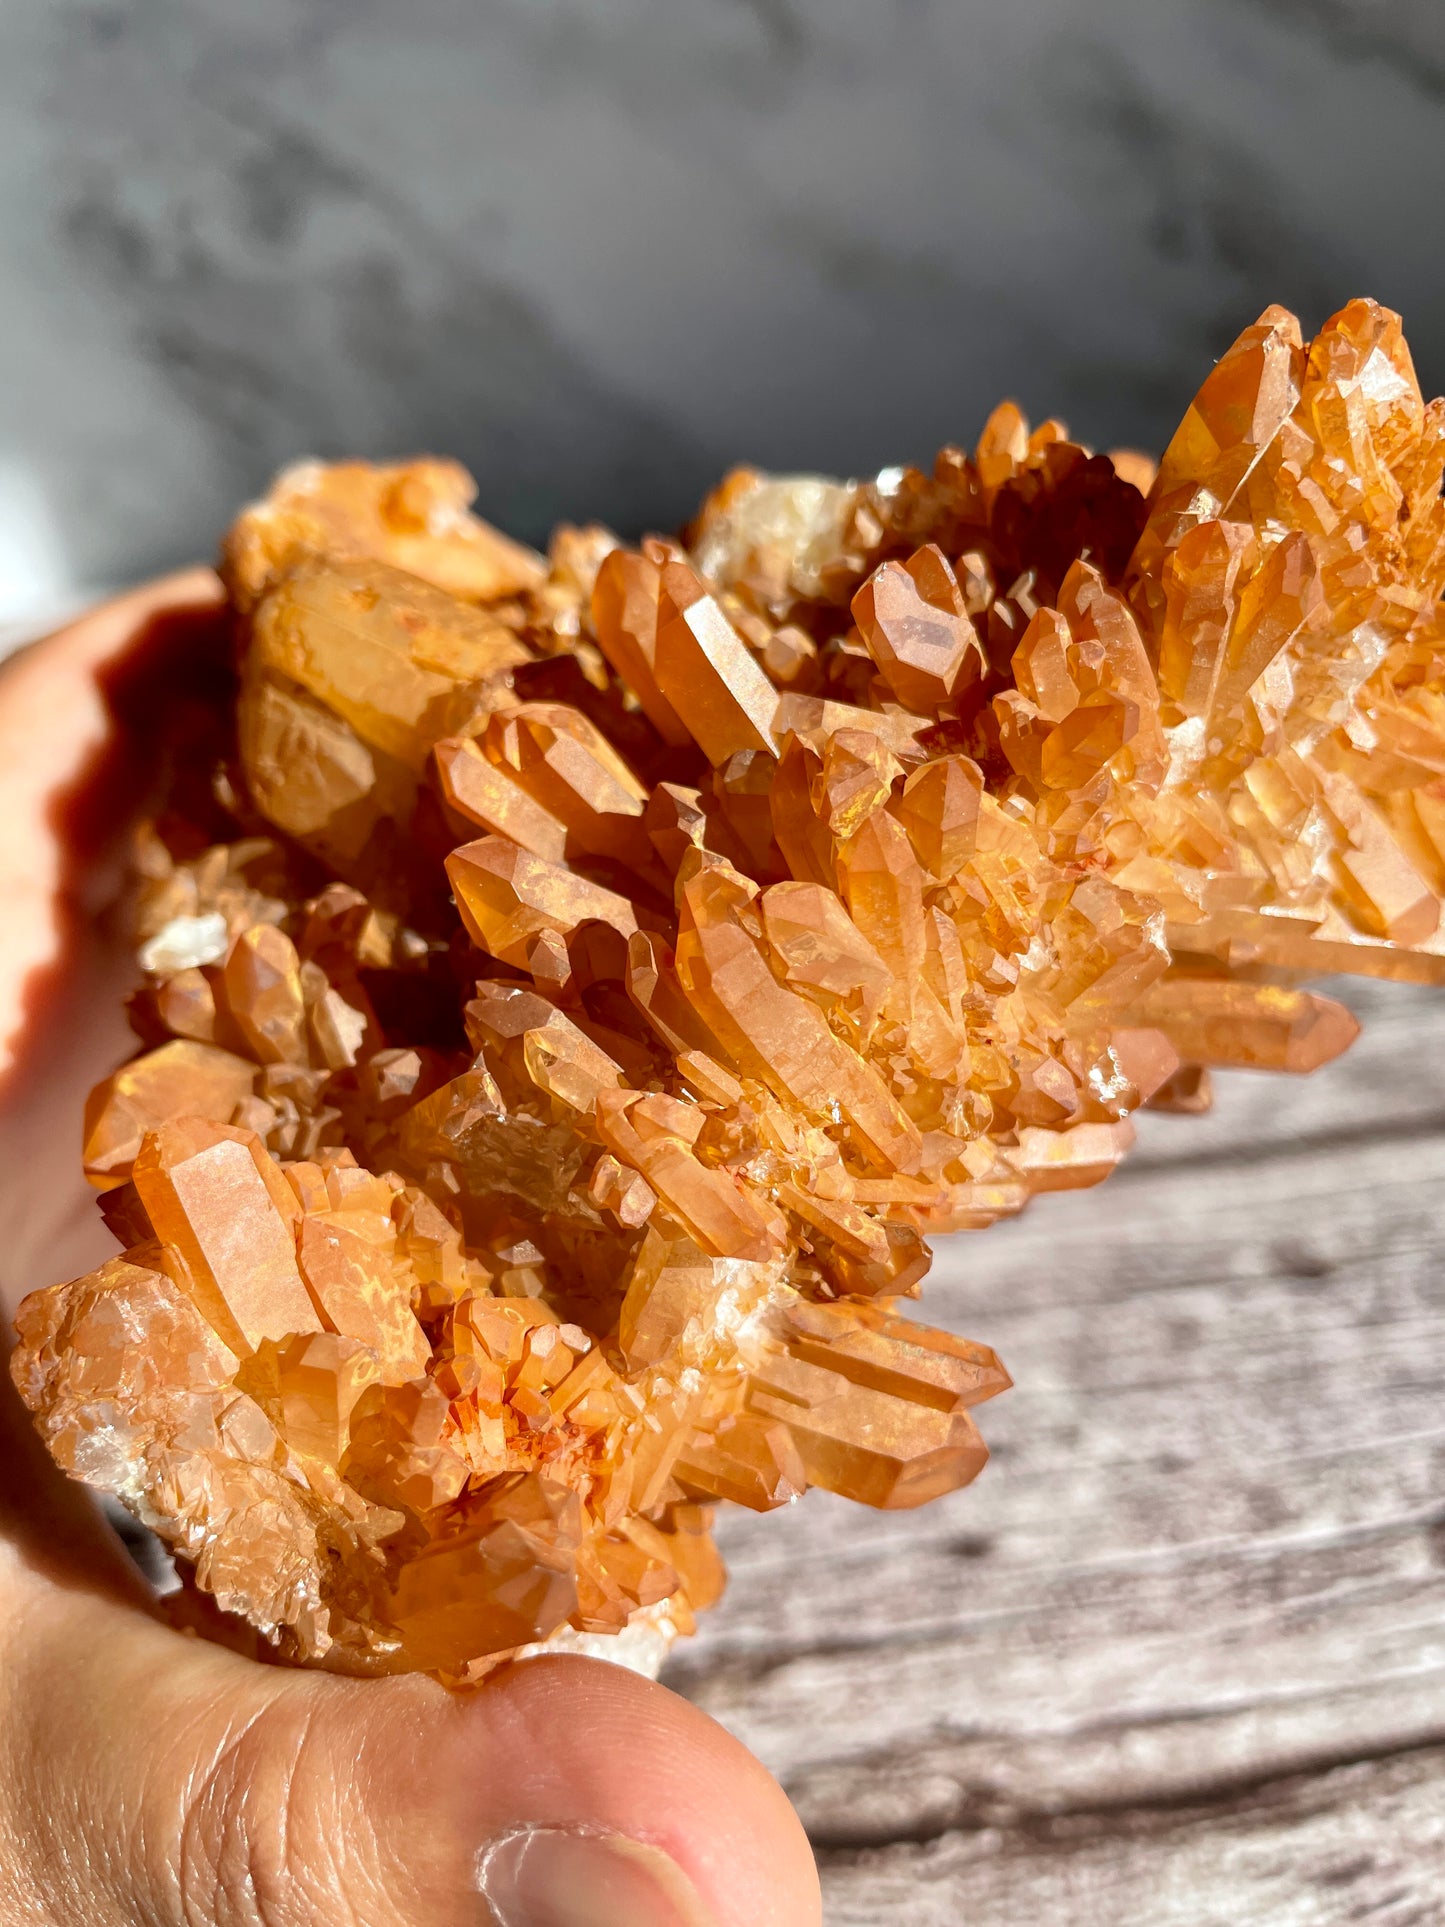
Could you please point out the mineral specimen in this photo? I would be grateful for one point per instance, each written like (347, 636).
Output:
(589, 978)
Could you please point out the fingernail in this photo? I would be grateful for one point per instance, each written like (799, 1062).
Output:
(557, 1877)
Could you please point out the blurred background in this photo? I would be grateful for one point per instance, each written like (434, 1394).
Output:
(602, 249)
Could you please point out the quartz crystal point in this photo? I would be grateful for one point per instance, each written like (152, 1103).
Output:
(597, 973)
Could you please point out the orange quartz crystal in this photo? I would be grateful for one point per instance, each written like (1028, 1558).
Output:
(596, 974)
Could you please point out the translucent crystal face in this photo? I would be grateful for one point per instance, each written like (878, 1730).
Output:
(619, 961)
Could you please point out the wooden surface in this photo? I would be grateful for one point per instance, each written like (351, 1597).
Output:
(1178, 1658)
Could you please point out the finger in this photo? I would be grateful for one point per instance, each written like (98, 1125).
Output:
(168, 1781)
(63, 782)
(65, 774)
(79, 713)
(619, 1753)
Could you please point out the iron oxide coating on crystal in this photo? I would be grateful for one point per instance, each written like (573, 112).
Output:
(591, 977)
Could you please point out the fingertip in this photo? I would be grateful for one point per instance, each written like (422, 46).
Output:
(97, 632)
(83, 715)
(566, 1742)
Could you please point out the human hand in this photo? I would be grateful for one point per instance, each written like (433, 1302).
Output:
(147, 1777)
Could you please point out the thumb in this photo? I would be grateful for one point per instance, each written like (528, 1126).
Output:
(150, 1777)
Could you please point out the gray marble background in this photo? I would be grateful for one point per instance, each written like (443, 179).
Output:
(603, 248)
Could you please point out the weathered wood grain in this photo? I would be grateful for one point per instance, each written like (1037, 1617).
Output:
(1363, 1843)
(1180, 1655)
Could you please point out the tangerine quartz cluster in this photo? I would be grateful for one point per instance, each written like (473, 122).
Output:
(585, 980)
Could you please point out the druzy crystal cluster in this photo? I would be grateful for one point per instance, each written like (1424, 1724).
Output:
(581, 984)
